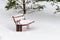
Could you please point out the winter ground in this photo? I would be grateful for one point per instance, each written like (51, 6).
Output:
(46, 26)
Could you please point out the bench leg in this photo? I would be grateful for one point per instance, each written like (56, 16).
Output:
(18, 27)
(27, 26)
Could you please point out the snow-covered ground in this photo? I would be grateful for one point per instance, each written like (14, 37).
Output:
(46, 26)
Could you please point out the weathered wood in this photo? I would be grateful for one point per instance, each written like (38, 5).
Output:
(18, 27)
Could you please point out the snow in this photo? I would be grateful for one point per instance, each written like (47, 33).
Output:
(26, 21)
(46, 26)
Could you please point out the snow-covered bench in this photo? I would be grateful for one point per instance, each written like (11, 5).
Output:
(20, 21)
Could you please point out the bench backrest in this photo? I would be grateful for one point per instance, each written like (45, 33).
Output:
(18, 18)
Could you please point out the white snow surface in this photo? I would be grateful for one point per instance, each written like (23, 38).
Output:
(46, 26)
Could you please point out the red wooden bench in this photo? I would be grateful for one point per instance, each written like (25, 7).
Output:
(21, 21)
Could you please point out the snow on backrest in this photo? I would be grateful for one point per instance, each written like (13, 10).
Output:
(19, 18)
